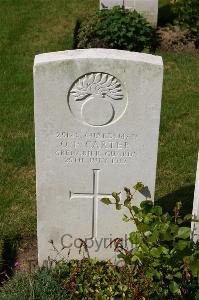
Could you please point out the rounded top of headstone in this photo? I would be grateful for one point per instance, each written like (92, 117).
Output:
(100, 53)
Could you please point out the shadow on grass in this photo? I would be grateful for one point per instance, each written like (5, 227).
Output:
(75, 34)
(165, 15)
(8, 258)
(184, 195)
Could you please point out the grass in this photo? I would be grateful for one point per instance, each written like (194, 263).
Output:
(40, 285)
(32, 27)
(27, 28)
(179, 136)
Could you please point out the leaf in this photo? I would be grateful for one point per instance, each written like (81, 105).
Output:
(135, 238)
(116, 196)
(126, 218)
(164, 250)
(153, 237)
(174, 228)
(139, 186)
(194, 267)
(174, 288)
(156, 252)
(135, 258)
(148, 219)
(118, 206)
(169, 277)
(186, 260)
(146, 205)
(184, 232)
(188, 217)
(178, 275)
(179, 221)
(157, 210)
(166, 236)
(106, 201)
(127, 201)
(181, 245)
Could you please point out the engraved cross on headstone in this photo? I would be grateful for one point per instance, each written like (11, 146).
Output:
(95, 196)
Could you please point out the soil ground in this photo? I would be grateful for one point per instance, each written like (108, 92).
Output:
(26, 258)
(176, 40)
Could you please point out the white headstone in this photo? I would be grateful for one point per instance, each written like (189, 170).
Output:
(195, 213)
(97, 115)
(149, 8)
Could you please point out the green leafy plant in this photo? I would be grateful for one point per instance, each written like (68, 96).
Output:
(162, 249)
(163, 262)
(92, 279)
(85, 279)
(186, 15)
(117, 28)
(186, 12)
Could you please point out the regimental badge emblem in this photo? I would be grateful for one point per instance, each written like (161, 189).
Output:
(97, 99)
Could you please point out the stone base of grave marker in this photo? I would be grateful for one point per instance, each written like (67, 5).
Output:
(97, 114)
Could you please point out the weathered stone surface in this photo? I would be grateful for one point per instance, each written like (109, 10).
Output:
(149, 8)
(97, 115)
(195, 225)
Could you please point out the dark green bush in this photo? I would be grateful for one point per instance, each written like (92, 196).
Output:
(117, 28)
(186, 15)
